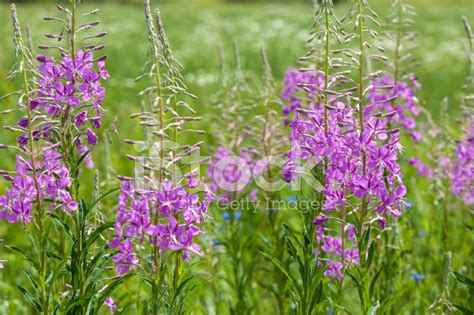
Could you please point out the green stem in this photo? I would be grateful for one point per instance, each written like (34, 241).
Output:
(156, 249)
(39, 214)
(360, 30)
(326, 66)
(398, 42)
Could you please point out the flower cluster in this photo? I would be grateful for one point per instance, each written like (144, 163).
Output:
(169, 217)
(230, 174)
(52, 184)
(71, 89)
(462, 182)
(333, 247)
(358, 164)
(458, 170)
(387, 96)
(421, 168)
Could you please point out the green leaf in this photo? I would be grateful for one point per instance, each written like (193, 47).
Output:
(30, 298)
(360, 286)
(292, 282)
(93, 263)
(94, 235)
(182, 286)
(316, 294)
(370, 255)
(33, 283)
(463, 309)
(374, 282)
(386, 305)
(65, 225)
(53, 255)
(26, 256)
(463, 279)
(81, 159)
(294, 254)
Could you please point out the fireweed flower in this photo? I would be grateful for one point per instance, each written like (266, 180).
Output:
(345, 151)
(462, 182)
(180, 215)
(72, 89)
(42, 177)
(53, 184)
(230, 174)
(64, 88)
(110, 303)
(161, 211)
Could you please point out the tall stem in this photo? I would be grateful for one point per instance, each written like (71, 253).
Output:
(360, 29)
(398, 42)
(156, 249)
(72, 44)
(326, 64)
(39, 214)
(39, 219)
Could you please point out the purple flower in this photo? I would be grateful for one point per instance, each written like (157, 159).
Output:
(53, 183)
(359, 166)
(80, 119)
(386, 96)
(462, 182)
(23, 122)
(91, 137)
(109, 302)
(320, 220)
(334, 270)
(422, 169)
(64, 85)
(172, 205)
(231, 173)
(332, 246)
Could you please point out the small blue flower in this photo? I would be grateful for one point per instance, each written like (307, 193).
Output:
(216, 242)
(417, 276)
(292, 198)
(226, 216)
(237, 215)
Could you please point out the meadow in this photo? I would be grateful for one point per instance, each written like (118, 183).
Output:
(419, 255)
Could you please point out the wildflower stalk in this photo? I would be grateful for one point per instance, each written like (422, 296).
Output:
(156, 283)
(360, 30)
(39, 219)
(236, 94)
(398, 43)
(327, 57)
(164, 221)
(169, 59)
